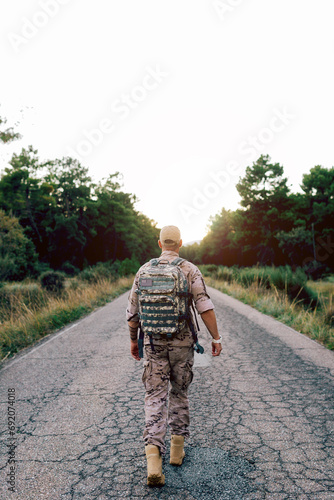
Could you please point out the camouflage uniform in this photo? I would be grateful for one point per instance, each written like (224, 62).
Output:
(171, 361)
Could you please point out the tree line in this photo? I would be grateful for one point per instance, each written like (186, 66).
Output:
(274, 225)
(52, 215)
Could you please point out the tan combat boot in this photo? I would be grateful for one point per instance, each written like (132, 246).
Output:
(155, 477)
(177, 453)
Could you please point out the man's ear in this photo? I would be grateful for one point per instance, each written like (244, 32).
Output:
(180, 244)
(159, 243)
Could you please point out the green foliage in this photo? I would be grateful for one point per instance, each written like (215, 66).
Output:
(8, 267)
(17, 254)
(220, 246)
(263, 184)
(71, 221)
(109, 270)
(191, 253)
(128, 267)
(296, 244)
(222, 273)
(315, 270)
(226, 273)
(282, 278)
(53, 281)
(264, 194)
(69, 269)
(7, 135)
(209, 270)
(73, 224)
(89, 274)
(41, 267)
(275, 227)
(102, 270)
(318, 185)
(313, 323)
(251, 275)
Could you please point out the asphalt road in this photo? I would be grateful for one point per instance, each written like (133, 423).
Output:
(262, 415)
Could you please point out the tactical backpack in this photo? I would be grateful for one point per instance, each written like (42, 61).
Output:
(164, 302)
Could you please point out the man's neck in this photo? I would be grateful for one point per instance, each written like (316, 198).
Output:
(163, 250)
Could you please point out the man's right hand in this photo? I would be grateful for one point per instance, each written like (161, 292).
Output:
(210, 322)
(216, 349)
(134, 349)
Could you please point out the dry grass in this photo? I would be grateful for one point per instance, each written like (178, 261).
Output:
(315, 323)
(26, 322)
(325, 289)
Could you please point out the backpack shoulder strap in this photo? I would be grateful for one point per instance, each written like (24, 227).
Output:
(177, 261)
(154, 262)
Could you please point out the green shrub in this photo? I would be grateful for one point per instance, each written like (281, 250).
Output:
(209, 270)
(248, 276)
(52, 281)
(69, 269)
(88, 274)
(280, 278)
(18, 258)
(128, 267)
(226, 274)
(74, 284)
(109, 270)
(295, 285)
(316, 270)
(8, 267)
(115, 267)
(102, 270)
(40, 268)
(304, 294)
(295, 278)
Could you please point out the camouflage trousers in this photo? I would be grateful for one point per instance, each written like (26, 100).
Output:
(167, 372)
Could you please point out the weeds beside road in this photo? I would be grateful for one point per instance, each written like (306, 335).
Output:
(29, 313)
(310, 311)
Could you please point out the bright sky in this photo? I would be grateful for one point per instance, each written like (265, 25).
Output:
(178, 96)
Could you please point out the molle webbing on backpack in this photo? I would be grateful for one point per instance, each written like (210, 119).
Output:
(164, 299)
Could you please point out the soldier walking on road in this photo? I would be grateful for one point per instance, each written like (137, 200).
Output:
(159, 308)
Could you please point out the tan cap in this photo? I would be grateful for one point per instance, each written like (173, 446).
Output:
(170, 235)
